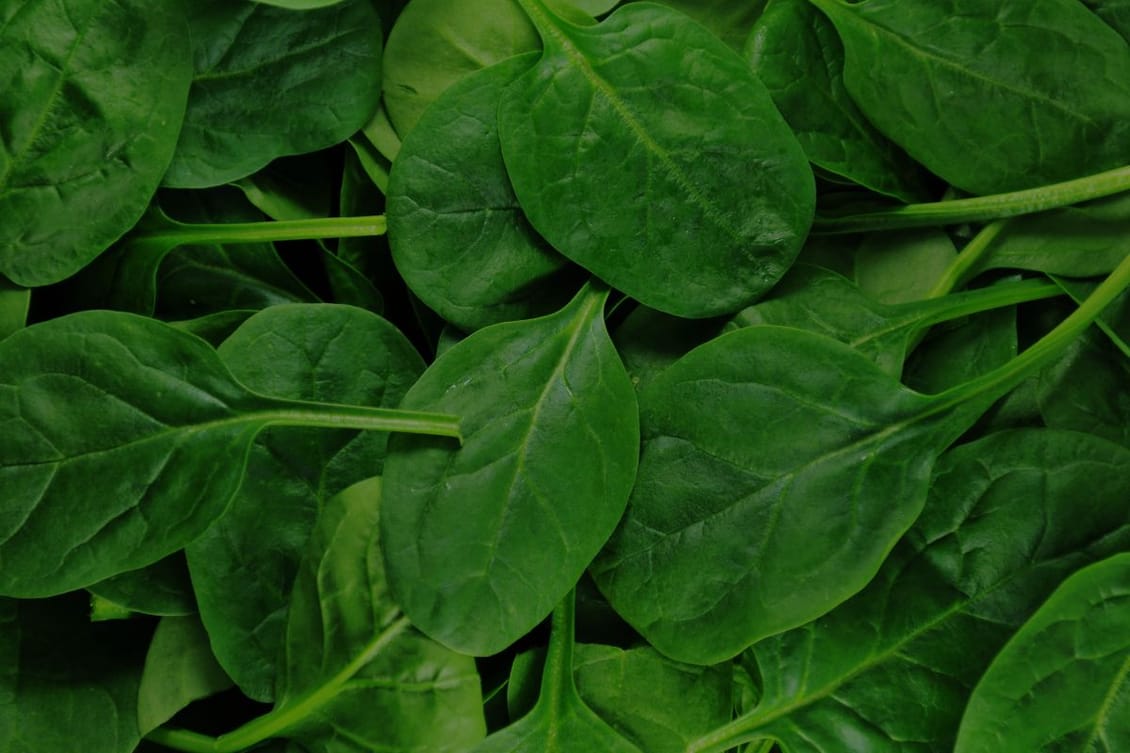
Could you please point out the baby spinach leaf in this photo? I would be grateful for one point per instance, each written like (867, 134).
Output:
(1063, 681)
(902, 266)
(980, 93)
(214, 328)
(64, 679)
(734, 534)
(91, 116)
(688, 193)
(649, 341)
(560, 721)
(435, 43)
(270, 82)
(358, 678)
(796, 53)
(890, 669)
(122, 440)
(458, 236)
(161, 589)
(962, 351)
(730, 20)
(481, 540)
(243, 566)
(179, 669)
(292, 188)
(14, 303)
(1088, 390)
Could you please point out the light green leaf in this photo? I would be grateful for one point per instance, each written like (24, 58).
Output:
(179, 669)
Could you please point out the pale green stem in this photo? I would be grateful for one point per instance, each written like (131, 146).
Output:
(334, 416)
(557, 684)
(963, 265)
(178, 233)
(182, 739)
(981, 208)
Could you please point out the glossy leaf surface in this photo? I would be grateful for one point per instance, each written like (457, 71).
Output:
(734, 533)
(91, 116)
(890, 669)
(1063, 681)
(482, 540)
(979, 92)
(458, 235)
(684, 187)
(270, 82)
(243, 567)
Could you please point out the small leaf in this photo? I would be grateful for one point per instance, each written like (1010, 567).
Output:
(179, 669)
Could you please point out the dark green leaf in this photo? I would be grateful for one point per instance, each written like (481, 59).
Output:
(1063, 681)
(292, 188)
(482, 540)
(270, 82)
(730, 20)
(243, 567)
(796, 53)
(1114, 12)
(902, 266)
(14, 302)
(93, 97)
(992, 97)
(162, 589)
(179, 669)
(690, 193)
(963, 351)
(1088, 390)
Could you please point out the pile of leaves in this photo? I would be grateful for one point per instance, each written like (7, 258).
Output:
(733, 376)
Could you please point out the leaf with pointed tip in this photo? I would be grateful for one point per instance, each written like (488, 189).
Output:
(179, 669)
(645, 150)
(163, 589)
(483, 540)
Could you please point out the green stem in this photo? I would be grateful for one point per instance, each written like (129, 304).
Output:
(182, 739)
(1006, 377)
(334, 416)
(179, 233)
(976, 301)
(981, 208)
(961, 267)
(558, 687)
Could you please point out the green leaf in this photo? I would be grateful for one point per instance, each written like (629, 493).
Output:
(890, 670)
(161, 589)
(649, 341)
(795, 52)
(179, 669)
(1063, 681)
(690, 194)
(756, 446)
(243, 567)
(730, 20)
(482, 540)
(902, 266)
(292, 188)
(121, 440)
(560, 721)
(458, 236)
(434, 43)
(1088, 390)
(91, 116)
(1115, 12)
(214, 328)
(992, 97)
(358, 678)
(14, 303)
(963, 351)
(63, 679)
(270, 82)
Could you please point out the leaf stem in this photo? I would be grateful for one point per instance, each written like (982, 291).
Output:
(558, 687)
(182, 739)
(335, 416)
(960, 268)
(981, 208)
(179, 233)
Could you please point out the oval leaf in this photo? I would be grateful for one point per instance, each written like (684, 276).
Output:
(483, 540)
(689, 194)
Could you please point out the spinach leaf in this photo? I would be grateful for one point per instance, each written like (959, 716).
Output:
(359, 678)
(1088, 390)
(796, 53)
(890, 669)
(1062, 682)
(243, 567)
(179, 669)
(161, 589)
(560, 720)
(123, 439)
(458, 235)
(730, 20)
(1114, 12)
(949, 81)
(64, 679)
(902, 266)
(14, 303)
(963, 351)
(91, 116)
(481, 540)
(271, 82)
(292, 188)
(689, 194)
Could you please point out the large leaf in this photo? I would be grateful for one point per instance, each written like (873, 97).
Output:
(688, 193)
(121, 440)
(243, 567)
(778, 470)
(270, 82)
(1063, 681)
(795, 52)
(458, 235)
(992, 97)
(358, 678)
(560, 721)
(890, 669)
(63, 679)
(93, 97)
(482, 540)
